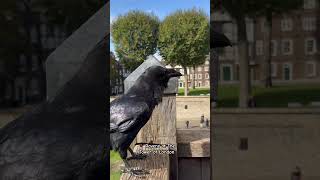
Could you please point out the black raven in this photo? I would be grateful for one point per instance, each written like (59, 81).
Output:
(218, 40)
(130, 112)
(65, 137)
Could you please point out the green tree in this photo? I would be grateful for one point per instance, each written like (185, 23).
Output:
(184, 39)
(267, 9)
(135, 36)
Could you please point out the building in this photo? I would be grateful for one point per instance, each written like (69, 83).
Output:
(295, 55)
(23, 79)
(200, 76)
(294, 50)
(117, 77)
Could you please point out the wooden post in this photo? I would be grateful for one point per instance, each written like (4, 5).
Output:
(161, 129)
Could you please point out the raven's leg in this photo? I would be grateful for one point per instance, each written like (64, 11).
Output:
(128, 169)
(136, 155)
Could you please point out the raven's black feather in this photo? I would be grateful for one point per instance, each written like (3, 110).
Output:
(130, 112)
(218, 40)
(65, 137)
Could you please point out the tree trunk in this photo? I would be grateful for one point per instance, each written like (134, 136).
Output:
(268, 56)
(214, 77)
(193, 77)
(185, 81)
(243, 62)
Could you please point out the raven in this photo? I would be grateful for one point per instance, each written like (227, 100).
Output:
(130, 112)
(65, 137)
(218, 40)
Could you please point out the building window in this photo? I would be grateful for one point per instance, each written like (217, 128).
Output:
(259, 47)
(34, 62)
(199, 69)
(199, 76)
(263, 25)
(274, 47)
(309, 23)
(310, 46)
(226, 72)
(273, 70)
(287, 71)
(34, 84)
(207, 83)
(22, 62)
(180, 84)
(34, 35)
(309, 4)
(286, 47)
(243, 146)
(43, 31)
(199, 84)
(206, 68)
(286, 24)
(311, 69)
(207, 75)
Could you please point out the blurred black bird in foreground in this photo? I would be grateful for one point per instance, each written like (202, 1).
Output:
(130, 112)
(218, 40)
(65, 137)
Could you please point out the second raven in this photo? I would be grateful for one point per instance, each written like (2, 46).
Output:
(130, 112)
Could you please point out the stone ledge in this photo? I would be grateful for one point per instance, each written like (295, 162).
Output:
(193, 143)
(265, 111)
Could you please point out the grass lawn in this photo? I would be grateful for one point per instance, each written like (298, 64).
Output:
(277, 96)
(115, 161)
(194, 92)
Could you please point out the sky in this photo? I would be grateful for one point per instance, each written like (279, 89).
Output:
(161, 8)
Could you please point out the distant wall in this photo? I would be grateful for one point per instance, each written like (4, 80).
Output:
(196, 106)
(278, 140)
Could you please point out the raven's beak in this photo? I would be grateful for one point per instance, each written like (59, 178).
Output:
(219, 40)
(173, 73)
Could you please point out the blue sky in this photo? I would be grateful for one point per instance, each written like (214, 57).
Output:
(161, 8)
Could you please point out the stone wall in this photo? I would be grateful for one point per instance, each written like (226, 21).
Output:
(278, 140)
(196, 106)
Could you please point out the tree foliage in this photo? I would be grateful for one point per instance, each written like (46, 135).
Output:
(135, 36)
(184, 37)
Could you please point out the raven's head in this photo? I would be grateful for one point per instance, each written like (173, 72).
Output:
(158, 78)
(161, 75)
(219, 40)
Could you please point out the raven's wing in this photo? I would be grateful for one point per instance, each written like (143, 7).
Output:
(42, 145)
(127, 113)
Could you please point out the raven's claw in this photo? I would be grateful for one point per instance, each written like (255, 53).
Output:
(135, 172)
(138, 156)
